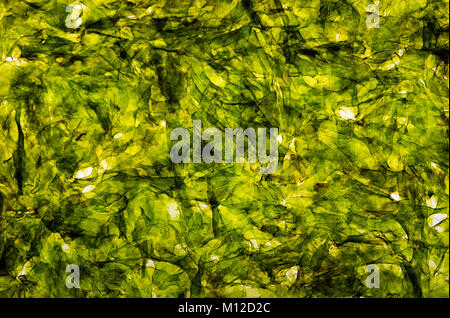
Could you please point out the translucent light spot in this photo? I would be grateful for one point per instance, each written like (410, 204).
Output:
(131, 16)
(395, 196)
(433, 165)
(437, 218)
(173, 210)
(283, 202)
(337, 36)
(66, 247)
(391, 66)
(88, 188)
(149, 10)
(254, 243)
(423, 83)
(163, 123)
(104, 164)
(405, 237)
(203, 206)
(83, 173)
(280, 138)
(23, 272)
(346, 113)
(118, 135)
(73, 20)
(431, 202)
(291, 274)
(9, 59)
(150, 263)
(292, 144)
(439, 229)
(215, 257)
(432, 264)
(403, 92)
(400, 52)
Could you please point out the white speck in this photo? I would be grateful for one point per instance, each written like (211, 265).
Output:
(431, 202)
(423, 83)
(214, 258)
(88, 188)
(83, 173)
(433, 165)
(173, 211)
(403, 92)
(438, 218)
(395, 196)
(131, 16)
(149, 10)
(66, 247)
(280, 138)
(338, 36)
(203, 206)
(405, 237)
(346, 113)
(283, 202)
(150, 263)
(163, 123)
(403, 119)
(118, 135)
(400, 52)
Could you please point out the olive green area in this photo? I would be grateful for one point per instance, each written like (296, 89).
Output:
(88, 98)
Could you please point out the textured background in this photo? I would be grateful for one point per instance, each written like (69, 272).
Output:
(86, 178)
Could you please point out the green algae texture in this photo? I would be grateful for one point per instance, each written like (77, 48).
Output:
(90, 91)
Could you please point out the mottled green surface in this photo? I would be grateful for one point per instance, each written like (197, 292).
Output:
(86, 178)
